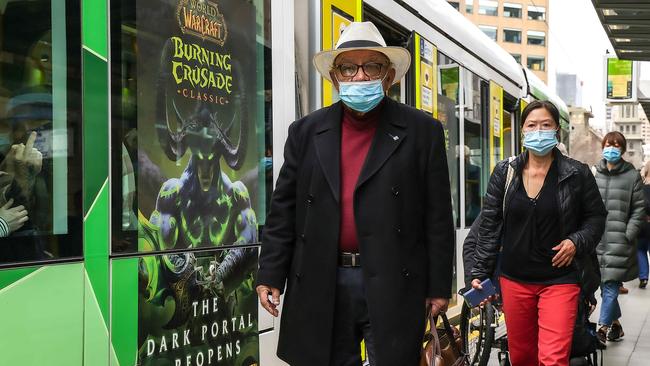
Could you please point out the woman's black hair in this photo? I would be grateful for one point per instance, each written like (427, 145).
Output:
(536, 104)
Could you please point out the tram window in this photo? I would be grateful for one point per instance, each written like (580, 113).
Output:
(40, 134)
(535, 63)
(536, 38)
(536, 13)
(489, 31)
(194, 158)
(488, 7)
(511, 10)
(512, 35)
(448, 97)
(474, 146)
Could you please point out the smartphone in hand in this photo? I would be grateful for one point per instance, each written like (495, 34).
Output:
(474, 296)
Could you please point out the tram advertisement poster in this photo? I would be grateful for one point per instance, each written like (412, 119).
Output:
(187, 316)
(198, 156)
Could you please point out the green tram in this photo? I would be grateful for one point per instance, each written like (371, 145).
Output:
(139, 141)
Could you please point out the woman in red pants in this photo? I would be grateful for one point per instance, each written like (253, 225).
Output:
(546, 221)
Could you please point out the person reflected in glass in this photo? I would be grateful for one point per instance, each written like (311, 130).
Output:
(545, 226)
(643, 246)
(621, 189)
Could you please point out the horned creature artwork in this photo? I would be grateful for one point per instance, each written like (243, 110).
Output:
(201, 208)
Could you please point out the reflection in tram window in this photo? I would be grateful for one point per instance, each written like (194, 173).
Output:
(474, 147)
(448, 76)
(40, 182)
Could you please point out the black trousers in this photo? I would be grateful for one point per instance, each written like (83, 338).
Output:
(351, 320)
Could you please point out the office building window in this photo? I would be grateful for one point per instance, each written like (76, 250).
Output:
(488, 7)
(536, 38)
(489, 31)
(511, 10)
(469, 6)
(633, 131)
(512, 35)
(454, 4)
(517, 57)
(536, 13)
(536, 63)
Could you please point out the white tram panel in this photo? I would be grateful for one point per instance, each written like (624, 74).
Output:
(459, 31)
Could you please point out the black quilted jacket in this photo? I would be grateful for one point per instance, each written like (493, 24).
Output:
(582, 216)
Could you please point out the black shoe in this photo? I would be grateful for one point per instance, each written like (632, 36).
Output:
(643, 283)
(601, 334)
(615, 333)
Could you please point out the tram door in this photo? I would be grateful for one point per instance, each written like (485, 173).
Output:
(394, 35)
(511, 127)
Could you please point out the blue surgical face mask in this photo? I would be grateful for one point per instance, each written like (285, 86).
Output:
(612, 154)
(540, 142)
(361, 96)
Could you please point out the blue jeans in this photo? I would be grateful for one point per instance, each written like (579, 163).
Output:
(642, 251)
(610, 310)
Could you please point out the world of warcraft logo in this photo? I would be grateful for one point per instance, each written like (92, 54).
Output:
(201, 18)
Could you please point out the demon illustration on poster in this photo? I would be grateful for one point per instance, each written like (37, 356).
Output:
(197, 102)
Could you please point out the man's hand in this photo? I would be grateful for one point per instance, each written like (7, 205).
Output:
(566, 251)
(24, 162)
(15, 217)
(438, 305)
(270, 305)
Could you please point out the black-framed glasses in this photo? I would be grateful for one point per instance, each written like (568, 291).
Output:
(372, 69)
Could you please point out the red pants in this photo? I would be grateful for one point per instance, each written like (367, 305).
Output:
(540, 321)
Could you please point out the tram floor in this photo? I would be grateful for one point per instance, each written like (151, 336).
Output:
(634, 349)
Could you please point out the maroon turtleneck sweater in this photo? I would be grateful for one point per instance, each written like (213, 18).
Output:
(356, 137)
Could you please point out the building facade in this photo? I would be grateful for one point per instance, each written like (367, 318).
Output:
(569, 89)
(519, 26)
(629, 119)
(585, 141)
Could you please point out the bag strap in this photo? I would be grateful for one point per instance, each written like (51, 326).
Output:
(436, 349)
(450, 335)
(509, 176)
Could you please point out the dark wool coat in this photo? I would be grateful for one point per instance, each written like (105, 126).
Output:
(403, 214)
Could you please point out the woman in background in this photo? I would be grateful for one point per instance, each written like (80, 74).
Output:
(622, 192)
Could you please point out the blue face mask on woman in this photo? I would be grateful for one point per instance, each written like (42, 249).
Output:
(540, 142)
(612, 154)
(361, 96)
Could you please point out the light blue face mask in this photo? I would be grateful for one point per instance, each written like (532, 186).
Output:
(361, 96)
(612, 154)
(540, 142)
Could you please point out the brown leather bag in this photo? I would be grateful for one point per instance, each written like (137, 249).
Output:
(438, 350)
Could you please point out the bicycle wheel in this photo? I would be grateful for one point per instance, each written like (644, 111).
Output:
(477, 332)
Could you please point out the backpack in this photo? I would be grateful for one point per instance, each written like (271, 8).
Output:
(585, 344)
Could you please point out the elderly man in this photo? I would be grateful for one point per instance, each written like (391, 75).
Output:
(360, 227)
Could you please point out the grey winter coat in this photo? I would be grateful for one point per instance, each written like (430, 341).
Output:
(622, 193)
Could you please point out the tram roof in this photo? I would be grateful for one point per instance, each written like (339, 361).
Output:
(469, 36)
(538, 90)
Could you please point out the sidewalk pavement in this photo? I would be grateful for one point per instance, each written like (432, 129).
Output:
(634, 349)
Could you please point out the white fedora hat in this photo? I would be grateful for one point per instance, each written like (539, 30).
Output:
(363, 36)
